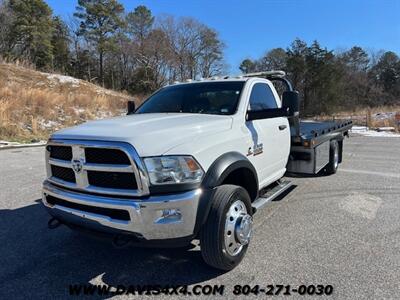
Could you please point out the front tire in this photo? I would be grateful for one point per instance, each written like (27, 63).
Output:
(226, 234)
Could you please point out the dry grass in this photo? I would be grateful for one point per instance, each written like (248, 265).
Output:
(33, 104)
(381, 116)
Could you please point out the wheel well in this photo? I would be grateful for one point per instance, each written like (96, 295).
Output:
(245, 178)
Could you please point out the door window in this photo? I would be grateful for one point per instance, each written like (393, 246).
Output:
(261, 97)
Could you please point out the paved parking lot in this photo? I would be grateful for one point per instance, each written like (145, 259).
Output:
(342, 230)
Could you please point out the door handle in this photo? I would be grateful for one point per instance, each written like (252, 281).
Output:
(282, 127)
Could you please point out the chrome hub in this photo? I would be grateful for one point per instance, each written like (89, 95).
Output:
(238, 228)
(243, 229)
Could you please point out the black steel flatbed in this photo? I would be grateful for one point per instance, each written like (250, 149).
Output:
(311, 142)
(316, 132)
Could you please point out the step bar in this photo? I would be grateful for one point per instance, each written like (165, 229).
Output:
(271, 194)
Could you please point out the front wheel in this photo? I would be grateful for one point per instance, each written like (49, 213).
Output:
(226, 234)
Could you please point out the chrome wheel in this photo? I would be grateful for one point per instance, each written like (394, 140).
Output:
(336, 157)
(238, 228)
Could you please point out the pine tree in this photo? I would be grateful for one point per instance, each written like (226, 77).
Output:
(60, 42)
(139, 22)
(99, 20)
(247, 66)
(31, 31)
(356, 58)
(387, 70)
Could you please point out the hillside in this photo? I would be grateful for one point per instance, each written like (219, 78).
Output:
(33, 104)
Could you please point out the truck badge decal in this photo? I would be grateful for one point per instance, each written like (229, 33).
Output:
(77, 166)
(257, 149)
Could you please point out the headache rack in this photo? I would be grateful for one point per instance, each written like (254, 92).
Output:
(274, 75)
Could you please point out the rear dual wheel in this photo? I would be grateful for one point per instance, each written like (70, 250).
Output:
(333, 164)
(226, 234)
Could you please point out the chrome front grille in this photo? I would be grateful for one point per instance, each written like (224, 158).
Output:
(111, 168)
(111, 180)
(66, 174)
(106, 156)
(60, 152)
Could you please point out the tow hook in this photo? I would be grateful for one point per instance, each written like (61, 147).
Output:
(53, 223)
(121, 241)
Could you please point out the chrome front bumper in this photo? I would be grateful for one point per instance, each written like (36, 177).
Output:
(149, 217)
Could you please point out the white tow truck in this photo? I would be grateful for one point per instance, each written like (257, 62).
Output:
(195, 161)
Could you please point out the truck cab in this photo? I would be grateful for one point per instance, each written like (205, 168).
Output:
(194, 161)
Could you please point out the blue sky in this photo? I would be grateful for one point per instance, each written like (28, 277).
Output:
(250, 27)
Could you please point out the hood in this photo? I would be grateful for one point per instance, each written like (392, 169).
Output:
(150, 134)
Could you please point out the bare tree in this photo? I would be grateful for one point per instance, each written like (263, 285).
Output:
(195, 48)
(211, 57)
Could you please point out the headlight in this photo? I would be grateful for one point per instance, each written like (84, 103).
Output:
(173, 169)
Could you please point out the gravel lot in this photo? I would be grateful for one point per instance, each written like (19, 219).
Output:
(342, 230)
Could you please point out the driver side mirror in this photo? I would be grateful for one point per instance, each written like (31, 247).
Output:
(291, 100)
(131, 107)
(267, 113)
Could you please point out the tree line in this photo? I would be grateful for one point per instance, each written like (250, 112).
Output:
(102, 43)
(330, 81)
(138, 52)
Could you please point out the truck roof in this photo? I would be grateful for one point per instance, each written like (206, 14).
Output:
(217, 79)
(243, 77)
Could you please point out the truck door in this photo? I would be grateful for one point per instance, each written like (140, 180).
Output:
(269, 142)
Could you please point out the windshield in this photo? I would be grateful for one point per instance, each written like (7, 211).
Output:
(220, 98)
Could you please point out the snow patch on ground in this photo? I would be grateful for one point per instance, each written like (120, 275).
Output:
(6, 144)
(78, 110)
(103, 115)
(48, 124)
(100, 91)
(384, 115)
(392, 129)
(365, 131)
(64, 79)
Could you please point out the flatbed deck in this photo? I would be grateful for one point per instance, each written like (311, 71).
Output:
(315, 130)
(310, 149)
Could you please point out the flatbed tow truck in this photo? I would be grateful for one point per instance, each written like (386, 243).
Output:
(195, 161)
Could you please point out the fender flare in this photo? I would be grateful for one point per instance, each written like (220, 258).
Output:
(215, 176)
(223, 166)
